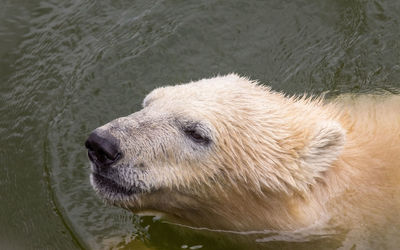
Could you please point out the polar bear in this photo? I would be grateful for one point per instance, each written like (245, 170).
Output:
(229, 153)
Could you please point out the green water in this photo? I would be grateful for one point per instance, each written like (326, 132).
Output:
(67, 67)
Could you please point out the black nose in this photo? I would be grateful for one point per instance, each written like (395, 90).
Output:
(103, 149)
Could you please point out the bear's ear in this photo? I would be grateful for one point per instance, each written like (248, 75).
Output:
(324, 147)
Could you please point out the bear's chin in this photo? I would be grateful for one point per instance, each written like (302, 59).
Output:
(111, 191)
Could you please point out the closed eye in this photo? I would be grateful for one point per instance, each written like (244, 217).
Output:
(196, 132)
(196, 136)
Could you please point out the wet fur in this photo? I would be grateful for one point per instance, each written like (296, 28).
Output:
(273, 162)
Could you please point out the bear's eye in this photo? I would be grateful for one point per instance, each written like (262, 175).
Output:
(196, 135)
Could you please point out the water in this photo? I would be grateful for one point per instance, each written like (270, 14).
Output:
(68, 67)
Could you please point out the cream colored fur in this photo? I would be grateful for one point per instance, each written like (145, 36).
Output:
(275, 162)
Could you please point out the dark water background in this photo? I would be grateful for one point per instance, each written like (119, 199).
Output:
(67, 67)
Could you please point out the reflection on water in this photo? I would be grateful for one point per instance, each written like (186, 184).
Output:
(68, 67)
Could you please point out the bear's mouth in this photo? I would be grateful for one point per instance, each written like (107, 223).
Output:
(108, 186)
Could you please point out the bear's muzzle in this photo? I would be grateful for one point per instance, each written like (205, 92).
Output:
(103, 149)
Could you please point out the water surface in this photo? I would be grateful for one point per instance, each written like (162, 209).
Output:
(66, 67)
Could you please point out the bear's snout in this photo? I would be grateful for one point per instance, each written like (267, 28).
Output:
(103, 149)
